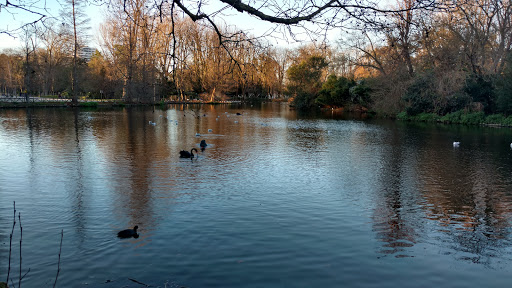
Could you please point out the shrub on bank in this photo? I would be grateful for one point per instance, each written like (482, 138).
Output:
(422, 117)
(473, 118)
(88, 104)
(495, 119)
(458, 117)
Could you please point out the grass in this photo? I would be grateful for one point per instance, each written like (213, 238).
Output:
(459, 117)
(422, 117)
(88, 104)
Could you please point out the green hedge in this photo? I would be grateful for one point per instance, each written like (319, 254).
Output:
(458, 117)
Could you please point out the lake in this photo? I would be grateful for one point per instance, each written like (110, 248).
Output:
(276, 199)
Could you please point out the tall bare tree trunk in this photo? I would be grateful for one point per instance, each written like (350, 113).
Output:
(75, 50)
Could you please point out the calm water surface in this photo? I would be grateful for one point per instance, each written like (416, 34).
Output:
(275, 200)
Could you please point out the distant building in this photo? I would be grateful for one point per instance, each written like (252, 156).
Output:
(86, 53)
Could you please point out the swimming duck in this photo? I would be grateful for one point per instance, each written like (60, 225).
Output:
(128, 233)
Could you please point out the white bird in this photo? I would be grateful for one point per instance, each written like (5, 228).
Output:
(236, 122)
(210, 130)
(456, 144)
(510, 145)
(197, 134)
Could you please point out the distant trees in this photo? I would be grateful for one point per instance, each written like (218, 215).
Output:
(11, 80)
(55, 43)
(174, 56)
(419, 56)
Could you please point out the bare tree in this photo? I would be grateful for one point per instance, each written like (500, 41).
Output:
(53, 40)
(76, 19)
(29, 51)
(31, 11)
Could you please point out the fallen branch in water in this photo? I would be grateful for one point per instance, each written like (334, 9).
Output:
(139, 282)
(21, 240)
(58, 263)
(11, 236)
(20, 278)
(10, 243)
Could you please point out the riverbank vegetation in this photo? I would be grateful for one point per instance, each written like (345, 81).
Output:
(449, 63)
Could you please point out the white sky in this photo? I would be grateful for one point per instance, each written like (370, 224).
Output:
(9, 21)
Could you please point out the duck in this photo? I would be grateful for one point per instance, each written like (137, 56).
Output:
(456, 144)
(128, 233)
(186, 154)
(203, 144)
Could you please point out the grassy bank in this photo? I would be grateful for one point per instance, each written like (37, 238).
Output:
(460, 117)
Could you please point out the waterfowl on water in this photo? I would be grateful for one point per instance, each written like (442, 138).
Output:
(186, 154)
(456, 144)
(128, 233)
(203, 144)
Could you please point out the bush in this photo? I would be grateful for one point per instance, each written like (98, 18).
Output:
(88, 104)
(303, 101)
(420, 95)
(360, 94)
(481, 90)
(495, 119)
(336, 91)
(427, 117)
(422, 117)
(403, 116)
(461, 117)
(508, 121)
(504, 90)
(454, 117)
(473, 118)
(456, 102)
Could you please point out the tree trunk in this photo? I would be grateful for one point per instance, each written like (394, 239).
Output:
(75, 50)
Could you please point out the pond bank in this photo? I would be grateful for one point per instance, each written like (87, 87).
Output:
(53, 103)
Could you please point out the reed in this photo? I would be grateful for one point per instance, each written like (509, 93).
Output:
(10, 263)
